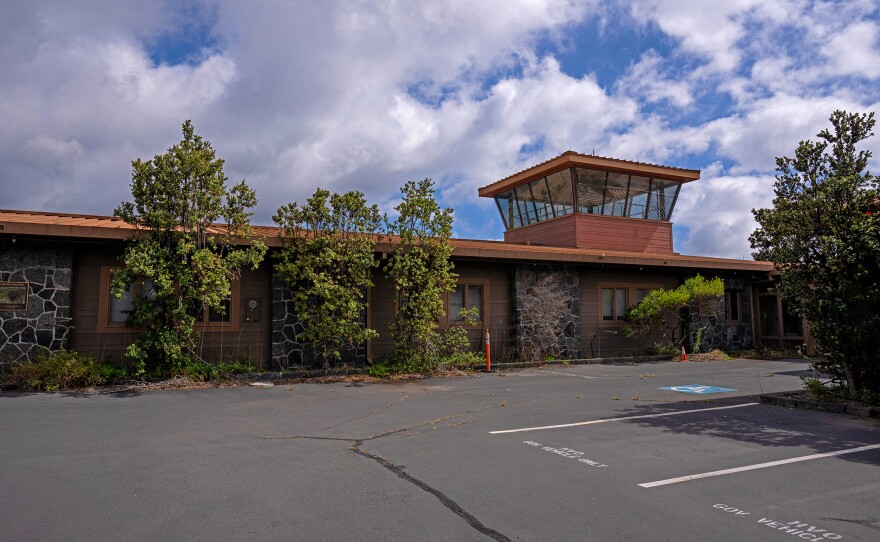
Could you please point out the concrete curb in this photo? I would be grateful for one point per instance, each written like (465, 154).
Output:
(784, 399)
(635, 360)
(276, 375)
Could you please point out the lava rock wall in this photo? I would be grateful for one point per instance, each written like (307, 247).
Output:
(45, 325)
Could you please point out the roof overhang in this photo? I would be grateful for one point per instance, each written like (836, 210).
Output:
(573, 159)
(104, 228)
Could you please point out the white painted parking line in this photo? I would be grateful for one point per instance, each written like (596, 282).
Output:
(566, 374)
(758, 466)
(606, 420)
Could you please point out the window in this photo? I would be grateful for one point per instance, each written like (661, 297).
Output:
(113, 311)
(615, 194)
(559, 185)
(613, 303)
(662, 199)
(590, 190)
(208, 318)
(616, 299)
(637, 201)
(731, 301)
(467, 295)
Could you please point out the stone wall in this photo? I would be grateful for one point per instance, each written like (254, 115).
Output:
(724, 335)
(526, 276)
(288, 350)
(45, 325)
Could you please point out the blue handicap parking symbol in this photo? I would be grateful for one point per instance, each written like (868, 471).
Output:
(697, 389)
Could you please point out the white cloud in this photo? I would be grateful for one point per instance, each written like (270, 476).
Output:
(357, 94)
(645, 80)
(717, 214)
(854, 51)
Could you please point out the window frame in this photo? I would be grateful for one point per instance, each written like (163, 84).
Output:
(630, 298)
(733, 294)
(104, 325)
(449, 321)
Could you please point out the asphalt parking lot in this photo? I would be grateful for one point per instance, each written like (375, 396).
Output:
(669, 451)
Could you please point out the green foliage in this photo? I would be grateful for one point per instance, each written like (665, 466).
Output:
(824, 233)
(184, 261)
(327, 262)
(455, 347)
(698, 342)
(666, 311)
(816, 388)
(201, 370)
(453, 351)
(421, 271)
(663, 349)
(380, 369)
(58, 371)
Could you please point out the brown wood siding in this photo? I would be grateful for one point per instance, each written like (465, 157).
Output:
(600, 338)
(250, 340)
(624, 234)
(497, 304)
(559, 232)
(382, 310)
(613, 233)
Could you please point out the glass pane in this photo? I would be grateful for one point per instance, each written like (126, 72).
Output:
(662, 197)
(148, 290)
(615, 194)
(619, 303)
(590, 190)
(526, 207)
(456, 302)
(475, 299)
(541, 197)
(560, 192)
(638, 197)
(607, 303)
(769, 315)
(508, 205)
(640, 295)
(217, 316)
(121, 306)
(792, 326)
(502, 201)
(733, 305)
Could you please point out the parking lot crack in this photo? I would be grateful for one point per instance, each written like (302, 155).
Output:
(378, 410)
(443, 498)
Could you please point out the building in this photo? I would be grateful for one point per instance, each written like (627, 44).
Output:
(601, 225)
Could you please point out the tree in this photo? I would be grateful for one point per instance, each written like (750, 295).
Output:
(421, 271)
(327, 261)
(824, 234)
(667, 311)
(183, 260)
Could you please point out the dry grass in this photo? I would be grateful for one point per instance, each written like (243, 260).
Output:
(712, 355)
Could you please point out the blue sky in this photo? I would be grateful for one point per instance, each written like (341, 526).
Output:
(349, 94)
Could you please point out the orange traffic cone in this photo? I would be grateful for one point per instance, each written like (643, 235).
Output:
(684, 356)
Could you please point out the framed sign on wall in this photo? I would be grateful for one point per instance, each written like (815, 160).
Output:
(13, 296)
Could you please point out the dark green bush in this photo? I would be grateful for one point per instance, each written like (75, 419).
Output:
(58, 371)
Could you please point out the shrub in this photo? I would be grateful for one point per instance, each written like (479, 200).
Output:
(663, 349)
(202, 370)
(58, 371)
(542, 319)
